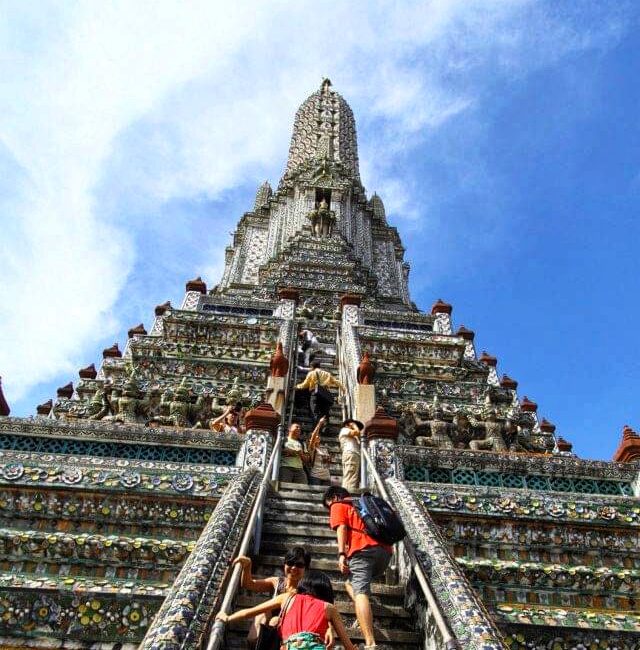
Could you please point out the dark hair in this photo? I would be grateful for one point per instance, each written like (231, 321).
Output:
(317, 584)
(332, 492)
(296, 555)
(315, 364)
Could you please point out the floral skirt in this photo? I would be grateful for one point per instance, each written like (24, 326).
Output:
(303, 641)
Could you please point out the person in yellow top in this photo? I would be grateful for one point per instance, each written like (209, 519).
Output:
(318, 382)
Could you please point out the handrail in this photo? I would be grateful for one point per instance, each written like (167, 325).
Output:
(217, 631)
(448, 637)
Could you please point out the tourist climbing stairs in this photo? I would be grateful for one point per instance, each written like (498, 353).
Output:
(294, 516)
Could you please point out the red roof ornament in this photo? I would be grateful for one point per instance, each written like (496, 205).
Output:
(161, 309)
(507, 382)
(279, 365)
(366, 371)
(45, 407)
(89, 372)
(65, 391)
(138, 330)
(262, 417)
(4, 405)
(289, 294)
(111, 353)
(197, 285)
(527, 405)
(488, 359)
(350, 299)
(466, 334)
(441, 307)
(381, 426)
(546, 426)
(629, 447)
(563, 445)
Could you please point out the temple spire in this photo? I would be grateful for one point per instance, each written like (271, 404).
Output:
(324, 129)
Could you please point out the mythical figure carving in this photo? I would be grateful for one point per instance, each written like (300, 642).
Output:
(100, 405)
(440, 430)
(182, 411)
(322, 220)
(131, 404)
(493, 439)
(464, 430)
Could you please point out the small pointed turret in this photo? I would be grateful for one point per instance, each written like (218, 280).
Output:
(65, 391)
(197, 284)
(262, 196)
(89, 372)
(377, 206)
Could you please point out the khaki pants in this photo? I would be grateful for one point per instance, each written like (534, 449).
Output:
(351, 470)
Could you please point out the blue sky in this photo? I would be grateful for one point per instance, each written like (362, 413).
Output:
(501, 135)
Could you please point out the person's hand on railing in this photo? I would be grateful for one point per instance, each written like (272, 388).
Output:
(221, 616)
(243, 561)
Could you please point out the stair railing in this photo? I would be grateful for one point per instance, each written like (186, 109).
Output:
(348, 348)
(216, 637)
(448, 638)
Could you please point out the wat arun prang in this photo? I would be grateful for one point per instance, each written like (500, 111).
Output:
(121, 509)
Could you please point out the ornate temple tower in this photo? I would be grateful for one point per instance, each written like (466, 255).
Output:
(318, 230)
(122, 502)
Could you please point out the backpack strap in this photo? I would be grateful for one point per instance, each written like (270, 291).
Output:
(283, 612)
(348, 501)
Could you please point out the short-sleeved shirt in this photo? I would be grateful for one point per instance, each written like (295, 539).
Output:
(343, 513)
(348, 442)
(292, 461)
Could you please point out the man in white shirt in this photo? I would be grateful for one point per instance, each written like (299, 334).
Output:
(349, 437)
(308, 345)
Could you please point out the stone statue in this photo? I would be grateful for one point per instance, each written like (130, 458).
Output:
(464, 430)
(100, 405)
(182, 412)
(131, 404)
(322, 219)
(493, 438)
(440, 430)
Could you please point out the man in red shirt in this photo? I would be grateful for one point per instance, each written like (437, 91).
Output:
(358, 554)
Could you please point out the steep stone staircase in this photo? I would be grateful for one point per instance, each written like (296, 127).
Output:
(294, 515)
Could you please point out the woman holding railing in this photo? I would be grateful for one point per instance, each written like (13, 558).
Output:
(306, 616)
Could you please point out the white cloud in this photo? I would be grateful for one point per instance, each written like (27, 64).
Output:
(152, 101)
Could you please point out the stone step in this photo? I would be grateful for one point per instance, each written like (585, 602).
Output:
(290, 505)
(343, 603)
(301, 491)
(394, 637)
(236, 641)
(272, 564)
(277, 545)
(379, 590)
(298, 518)
(298, 534)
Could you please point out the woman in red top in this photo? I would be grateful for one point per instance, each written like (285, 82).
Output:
(306, 615)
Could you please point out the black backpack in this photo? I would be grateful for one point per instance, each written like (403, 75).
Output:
(380, 520)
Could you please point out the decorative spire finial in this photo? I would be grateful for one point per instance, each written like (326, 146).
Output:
(325, 85)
